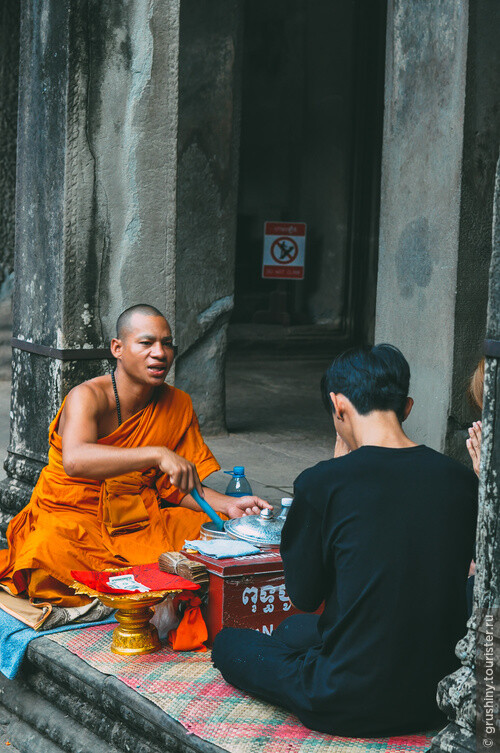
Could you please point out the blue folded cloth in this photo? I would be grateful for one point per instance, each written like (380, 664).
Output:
(222, 548)
(15, 637)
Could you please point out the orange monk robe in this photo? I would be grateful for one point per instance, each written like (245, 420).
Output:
(83, 524)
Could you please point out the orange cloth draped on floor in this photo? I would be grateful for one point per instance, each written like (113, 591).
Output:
(84, 524)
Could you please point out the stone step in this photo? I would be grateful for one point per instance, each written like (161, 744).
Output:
(61, 700)
(29, 740)
(40, 725)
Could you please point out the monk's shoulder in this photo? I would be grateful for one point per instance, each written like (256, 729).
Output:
(177, 400)
(92, 394)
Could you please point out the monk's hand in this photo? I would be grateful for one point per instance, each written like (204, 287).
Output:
(237, 507)
(474, 445)
(182, 472)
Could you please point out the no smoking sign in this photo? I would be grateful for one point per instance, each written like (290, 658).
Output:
(284, 250)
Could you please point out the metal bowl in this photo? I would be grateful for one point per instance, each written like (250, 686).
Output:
(209, 531)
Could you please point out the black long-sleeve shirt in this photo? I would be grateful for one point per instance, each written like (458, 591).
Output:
(384, 537)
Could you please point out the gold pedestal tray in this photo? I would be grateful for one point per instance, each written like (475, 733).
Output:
(134, 635)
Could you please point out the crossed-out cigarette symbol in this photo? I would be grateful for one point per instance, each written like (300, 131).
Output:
(284, 250)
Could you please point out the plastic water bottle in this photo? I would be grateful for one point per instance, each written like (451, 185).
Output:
(286, 503)
(238, 486)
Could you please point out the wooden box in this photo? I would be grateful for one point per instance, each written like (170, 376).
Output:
(245, 592)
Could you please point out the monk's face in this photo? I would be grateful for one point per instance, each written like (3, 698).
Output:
(145, 351)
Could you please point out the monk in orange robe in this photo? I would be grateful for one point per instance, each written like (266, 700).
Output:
(125, 451)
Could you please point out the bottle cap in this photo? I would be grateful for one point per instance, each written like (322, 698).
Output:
(286, 501)
(239, 470)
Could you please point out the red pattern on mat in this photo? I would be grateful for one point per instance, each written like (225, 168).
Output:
(189, 689)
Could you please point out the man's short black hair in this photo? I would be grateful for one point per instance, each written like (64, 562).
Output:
(123, 321)
(373, 377)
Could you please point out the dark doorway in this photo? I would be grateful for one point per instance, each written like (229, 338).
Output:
(311, 132)
(311, 141)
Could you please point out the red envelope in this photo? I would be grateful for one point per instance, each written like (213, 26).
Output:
(149, 575)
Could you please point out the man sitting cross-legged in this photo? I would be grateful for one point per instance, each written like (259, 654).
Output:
(383, 535)
(125, 450)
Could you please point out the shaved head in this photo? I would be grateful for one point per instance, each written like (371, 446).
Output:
(123, 322)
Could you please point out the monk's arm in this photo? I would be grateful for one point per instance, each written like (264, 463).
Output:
(233, 507)
(84, 458)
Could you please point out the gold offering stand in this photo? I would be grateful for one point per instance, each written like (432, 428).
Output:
(134, 634)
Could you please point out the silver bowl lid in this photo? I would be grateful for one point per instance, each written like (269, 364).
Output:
(261, 530)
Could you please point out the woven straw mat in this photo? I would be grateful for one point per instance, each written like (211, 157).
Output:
(187, 687)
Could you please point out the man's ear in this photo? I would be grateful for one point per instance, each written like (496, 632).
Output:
(408, 407)
(116, 347)
(339, 404)
(335, 408)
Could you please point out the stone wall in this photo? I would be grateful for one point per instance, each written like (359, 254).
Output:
(469, 696)
(480, 152)
(9, 70)
(132, 139)
(420, 203)
(207, 178)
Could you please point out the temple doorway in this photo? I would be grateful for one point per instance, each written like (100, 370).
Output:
(310, 152)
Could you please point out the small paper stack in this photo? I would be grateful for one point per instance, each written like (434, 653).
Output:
(126, 583)
(179, 564)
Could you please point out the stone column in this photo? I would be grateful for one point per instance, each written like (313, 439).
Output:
(471, 696)
(9, 73)
(55, 301)
(480, 153)
(420, 200)
(207, 176)
(441, 135)
(125, 194)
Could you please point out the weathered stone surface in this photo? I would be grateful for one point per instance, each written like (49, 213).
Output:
(9, 71)
(132, 121)
(29, 740)
(461, 695)
(439, 162)
(46, 720)
(480, 151)
(54, 193)
(420, 200)
(55, 300)
(88, 716)
(209, 115)
(201, 373)
(454, 738)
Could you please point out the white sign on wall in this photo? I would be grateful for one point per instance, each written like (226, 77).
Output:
(284, 250)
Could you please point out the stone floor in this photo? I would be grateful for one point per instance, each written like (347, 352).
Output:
(276, 421)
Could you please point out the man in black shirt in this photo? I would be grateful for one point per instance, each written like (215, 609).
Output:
(383, 534)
